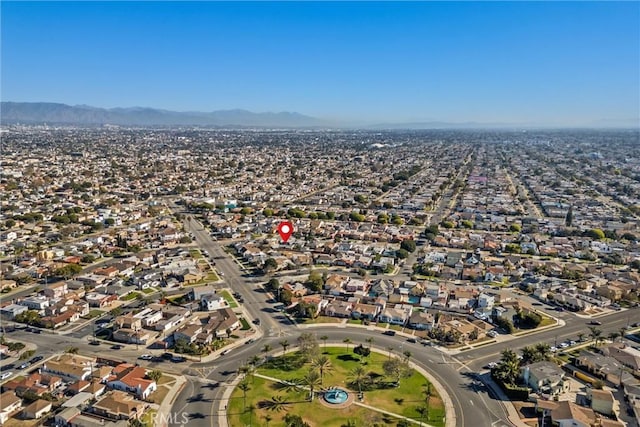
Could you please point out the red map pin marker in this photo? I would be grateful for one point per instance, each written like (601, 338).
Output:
(285, 229)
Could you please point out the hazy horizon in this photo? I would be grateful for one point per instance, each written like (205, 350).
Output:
(520, 63)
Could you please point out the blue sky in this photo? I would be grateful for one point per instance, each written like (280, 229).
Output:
(516, 62)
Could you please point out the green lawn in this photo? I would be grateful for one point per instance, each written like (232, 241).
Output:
(227, 296)
(130, 296)
(149, 291)
(245, 324)
(402, 400)
(195, 253)
(94, 313)
(320, 319)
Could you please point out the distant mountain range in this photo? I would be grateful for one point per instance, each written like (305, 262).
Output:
(53, 113)
(84, 115)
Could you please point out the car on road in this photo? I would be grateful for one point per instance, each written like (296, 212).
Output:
(426, 342)
(145, 357)
(94, 342)
(559, 309)
(250, 340)
(491, 365)
(390, 333)
(36, 359)
(595, 322)
(117, 347)
(5, 375)
(256, 321)
(24, 365)
(178, 359)
(412, 340)
(225, 352)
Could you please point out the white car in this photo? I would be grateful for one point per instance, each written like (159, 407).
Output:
(146, 357)
(5, 375)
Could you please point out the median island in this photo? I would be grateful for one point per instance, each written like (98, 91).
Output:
(333, 386)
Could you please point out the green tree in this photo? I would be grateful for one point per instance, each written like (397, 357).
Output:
(244, 387)
(402, 253)
(291, 420)
(312, 380)
(285, 345)
(322, 364)
(155, 375)
(358, 377)
(270, 265)
(515, 228)
(595, 233)
(315, 281)
(408, 245)
(595, 334)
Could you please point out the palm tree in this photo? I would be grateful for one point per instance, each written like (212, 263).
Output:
(266, 349)
(358, 376)
(267, 419)
(313, 381)
(389, 349)
(407, 355)
(428, 391)
(580, 337)
(322, 364)
(613, 336)
(347, 341)
(509, 367)
(324, 339)
(369, 341)
(595, 334)
(622, 331)
(422, 410)
(244, 386)
(251, 409)
(285, 345)
(254, 360)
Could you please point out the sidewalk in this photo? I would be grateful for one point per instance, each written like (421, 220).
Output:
(164, 409)
(511, 410)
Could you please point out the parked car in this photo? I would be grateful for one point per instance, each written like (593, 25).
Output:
(412, 340)
(145, 357)
(24, 365)
(595, 322)
(5, 375)
(389, 332)
(178, 359)
(116, 347)
(36, 359)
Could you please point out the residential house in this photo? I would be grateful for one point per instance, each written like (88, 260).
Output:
(10, 311)
(421, 320)
(37, 409)
(9, 404)
(222, 322)
(56, 290)
(71, 367)
(210, 302)
(397, 314)
(601, 401)
(365, 311)
(568, 414)
(118, 405)
(132, 379)
(339, 308)
(546, 377)
(132, 336)
(605, 367)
